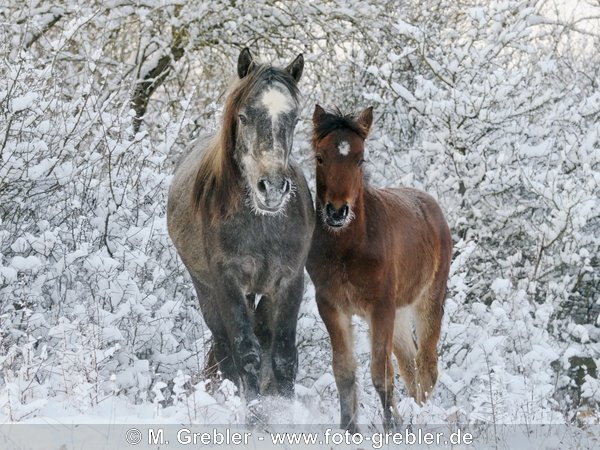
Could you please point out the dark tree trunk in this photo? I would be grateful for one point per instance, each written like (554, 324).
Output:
(155, 77)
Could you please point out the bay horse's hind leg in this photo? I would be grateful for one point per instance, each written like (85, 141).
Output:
(339, 327)
(382, 369)
(405, 348)
(429, 311)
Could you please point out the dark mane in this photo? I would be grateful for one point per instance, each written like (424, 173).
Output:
(218, 186)
(336, 120)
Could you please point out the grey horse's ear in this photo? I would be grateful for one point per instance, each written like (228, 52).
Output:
(245, 63)
(318, 114)
(365, 119)
(296, 67)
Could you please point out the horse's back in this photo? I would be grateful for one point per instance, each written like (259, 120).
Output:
(186, 168)
(417, 206)
(185, 228)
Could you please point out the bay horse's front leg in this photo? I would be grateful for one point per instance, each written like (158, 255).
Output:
(244, 345)
(382, 370)
(339, 326)
(284, 353)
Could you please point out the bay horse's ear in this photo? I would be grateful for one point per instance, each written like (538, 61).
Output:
(296, 67)
(365, 119)
(318, 114)
(245, 63)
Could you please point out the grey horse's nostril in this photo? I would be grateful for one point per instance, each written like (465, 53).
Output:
(263, 185)
(286, 186)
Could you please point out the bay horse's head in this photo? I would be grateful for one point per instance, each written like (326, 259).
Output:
(263, 113)
(338, 143)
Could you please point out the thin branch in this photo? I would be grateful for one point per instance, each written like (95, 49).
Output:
(44, 30)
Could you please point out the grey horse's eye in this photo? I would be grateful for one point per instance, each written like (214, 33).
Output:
(243, 119)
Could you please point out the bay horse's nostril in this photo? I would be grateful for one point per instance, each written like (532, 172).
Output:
(344, 210)
(337, 214)
(330, 210)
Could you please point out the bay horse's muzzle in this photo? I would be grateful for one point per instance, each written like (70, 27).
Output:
(272, 192)
(335, 217)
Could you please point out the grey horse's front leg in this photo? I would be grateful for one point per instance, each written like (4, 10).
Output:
(244, 345)
(212, 318)
(284, 353)
(263, 329)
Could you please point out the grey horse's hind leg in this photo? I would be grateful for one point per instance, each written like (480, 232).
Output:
(284, 352)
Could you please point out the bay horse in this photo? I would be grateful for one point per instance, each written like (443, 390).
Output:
(241, 217)
(383, 254)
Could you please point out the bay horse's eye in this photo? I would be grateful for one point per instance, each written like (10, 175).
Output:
(361, 162)
(243, 119)
(319, 159)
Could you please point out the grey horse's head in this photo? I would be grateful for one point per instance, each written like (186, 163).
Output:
(267, 113)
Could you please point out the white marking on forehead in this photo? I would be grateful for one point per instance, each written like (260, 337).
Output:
(344, 148)
(276, 102)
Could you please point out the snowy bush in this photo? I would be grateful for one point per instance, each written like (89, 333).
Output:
(493, 107)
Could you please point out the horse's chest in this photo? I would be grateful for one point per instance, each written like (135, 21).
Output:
(257, 274)
(346, 285)
(261, 259)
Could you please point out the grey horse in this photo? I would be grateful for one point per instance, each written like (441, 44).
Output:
(241, 217)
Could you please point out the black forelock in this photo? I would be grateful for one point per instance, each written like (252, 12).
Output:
(336, 120)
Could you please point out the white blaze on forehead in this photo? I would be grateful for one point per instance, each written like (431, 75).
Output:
(344, 148)
(276, 102)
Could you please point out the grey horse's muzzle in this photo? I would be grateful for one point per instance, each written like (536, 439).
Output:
(272, 192)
